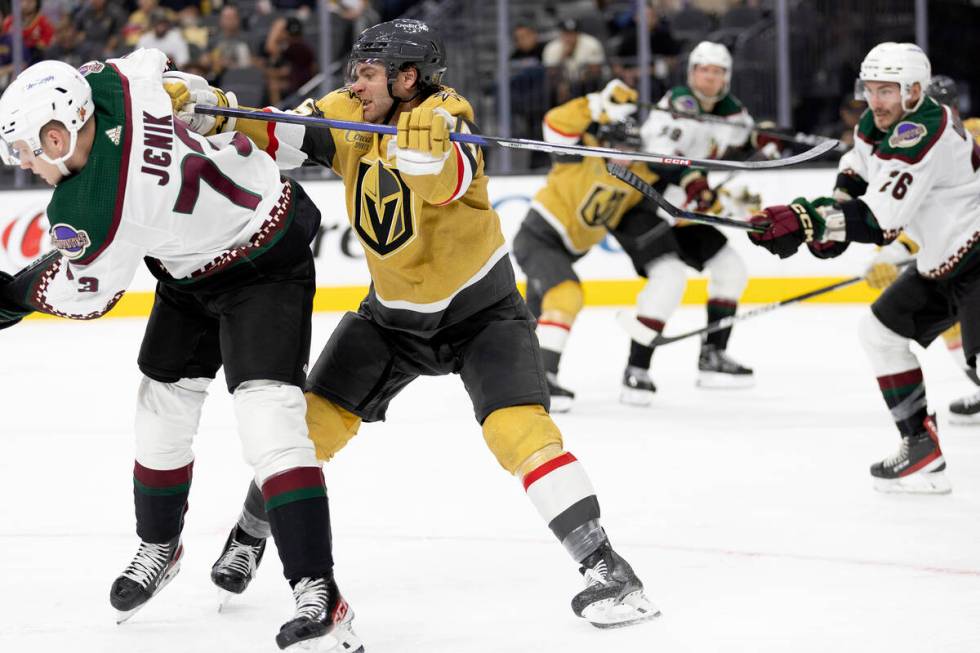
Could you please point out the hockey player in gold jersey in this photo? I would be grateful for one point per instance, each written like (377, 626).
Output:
(579, 204)
(443, 298)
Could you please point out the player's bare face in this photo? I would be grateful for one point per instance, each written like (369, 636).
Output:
(885, 101)
(708, 80)
(370, 85)
(46, 171)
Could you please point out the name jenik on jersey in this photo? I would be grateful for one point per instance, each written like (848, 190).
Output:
(158, 141)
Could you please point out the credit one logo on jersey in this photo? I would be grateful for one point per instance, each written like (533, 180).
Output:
(383, 215)
(23, 238)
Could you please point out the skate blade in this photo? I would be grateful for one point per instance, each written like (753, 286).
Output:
(347, 642)
(224, 598)
(719, 381)
(634, 609)
(964, 420)
(634, 397)
(122, 616)
(561, 404)
(918, 483)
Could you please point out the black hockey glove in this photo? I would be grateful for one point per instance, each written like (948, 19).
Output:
(10, 312)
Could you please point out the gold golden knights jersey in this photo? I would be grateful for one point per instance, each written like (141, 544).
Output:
(580, 199)
(432, 240)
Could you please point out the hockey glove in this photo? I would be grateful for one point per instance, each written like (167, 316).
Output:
(700, 196)
(884, 266)
(10, 312)
(787, 227)
(615, 103)
(187, 91)
(424, 130)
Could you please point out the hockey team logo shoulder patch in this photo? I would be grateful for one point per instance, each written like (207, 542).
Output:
(685, 104)
(383, 216)
(91, 67)
(907, 134)
(71, 242)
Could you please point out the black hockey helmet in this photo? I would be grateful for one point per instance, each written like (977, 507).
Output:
(398, 44)
(625, 134)
(943, 90)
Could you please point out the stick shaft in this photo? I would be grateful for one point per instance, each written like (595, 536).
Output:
(519, 143)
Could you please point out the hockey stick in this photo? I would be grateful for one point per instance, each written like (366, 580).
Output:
(651, 338)
(623, 174)
(522, 143)
(786, 135)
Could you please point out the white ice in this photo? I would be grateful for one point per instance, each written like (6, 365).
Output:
(749, 514)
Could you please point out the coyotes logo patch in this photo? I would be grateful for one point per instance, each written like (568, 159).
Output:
(907, 134)
(383, 215)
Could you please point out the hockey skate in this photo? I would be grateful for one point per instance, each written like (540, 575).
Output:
(965, 410)
(323, 619)
(638, 388)
(918, 467)
(236, 566)
(153, 566)
(716, 369)
(613, 596)
(561, 398)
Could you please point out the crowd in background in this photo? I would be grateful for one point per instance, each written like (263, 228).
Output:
(266, 50)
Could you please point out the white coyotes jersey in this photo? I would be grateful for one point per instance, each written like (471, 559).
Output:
(151, 187)
(923, 177)
(670, 134)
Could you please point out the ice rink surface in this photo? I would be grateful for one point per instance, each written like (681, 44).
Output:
(749, 514)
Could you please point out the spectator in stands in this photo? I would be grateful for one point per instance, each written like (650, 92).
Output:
(163, 36)
(177, 6)
(291, 60)
(36, 29)
(229, 48)
(139, 22)
(68, 46)
(529, 93)
(194, 32)
(575, 59)
(663, 46)
(843, 130)
(100, 24)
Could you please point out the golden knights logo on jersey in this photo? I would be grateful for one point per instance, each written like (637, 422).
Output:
(600, 205)
(383, 216)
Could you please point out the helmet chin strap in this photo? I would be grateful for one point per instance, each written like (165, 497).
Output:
(396, 101)
(59, 163)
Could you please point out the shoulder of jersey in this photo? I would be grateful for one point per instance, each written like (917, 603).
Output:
(341, 104)
(681, 98)
(448, 99)
(914, 135)
(728, 106)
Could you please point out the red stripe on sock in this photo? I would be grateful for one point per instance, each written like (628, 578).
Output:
(270, 132)
(560, 325)
(902, 378)
(726, 303)
(656, 325)
(548, 467)
(292, 479)
(163, 478)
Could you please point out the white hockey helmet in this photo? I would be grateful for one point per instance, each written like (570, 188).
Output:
(903, 63)
(707, 53)
(49, 90)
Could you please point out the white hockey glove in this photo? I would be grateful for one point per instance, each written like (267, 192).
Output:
(884, 266)
(187, 91)
(614, 103)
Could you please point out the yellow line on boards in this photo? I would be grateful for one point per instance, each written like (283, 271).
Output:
(618, 292)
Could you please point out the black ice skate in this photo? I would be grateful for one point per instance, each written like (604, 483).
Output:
(965, 410)
(236, 566)
(638, 388)
(613, 596)
(561, 398)
(153, 566)
(322, 622)
(918, 466)
(716, 369)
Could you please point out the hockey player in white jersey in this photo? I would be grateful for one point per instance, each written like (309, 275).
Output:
(701, 247)
(913, 168)
(228, 239)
